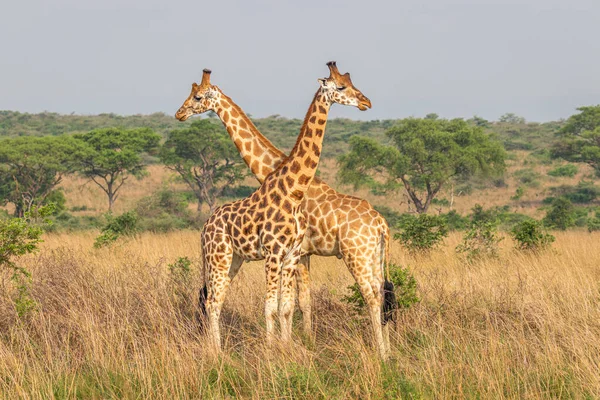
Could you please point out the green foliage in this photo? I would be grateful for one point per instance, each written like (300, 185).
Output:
(480, 241)
(511, 118)
(579, 139)
(20, 236)
(530, 235)
(422, 233)
(561, 214)
(569, 170)
(180, 273)
(479, 215)
(113, 155)
(123, 225)
(528, 177)
(441, 202)
(454, 221)
(424, 156)
(205, 159)
(518, 193)
(405, 288)
(32, 167)
(584, 192)
(164, 211)
(593, 223)
(57, 199)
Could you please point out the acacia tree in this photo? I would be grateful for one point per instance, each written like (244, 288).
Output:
(205, 159)
(113, 155)
(424, 155)
(579, 138)
(32, 167)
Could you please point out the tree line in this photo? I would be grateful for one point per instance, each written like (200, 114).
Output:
(420, 156)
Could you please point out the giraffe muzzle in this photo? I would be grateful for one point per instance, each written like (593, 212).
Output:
(181, 115)
(364, 104)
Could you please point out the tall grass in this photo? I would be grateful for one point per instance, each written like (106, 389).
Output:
(113, 323)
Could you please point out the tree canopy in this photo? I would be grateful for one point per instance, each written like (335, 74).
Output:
(579, 138)
(425, 154)
(112, 155)
(32, 167)
(205, 159)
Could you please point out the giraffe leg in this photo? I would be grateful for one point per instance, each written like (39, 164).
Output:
(272, 273)
(373, 296)
(286, 296)
(219, 278)
(302, 281)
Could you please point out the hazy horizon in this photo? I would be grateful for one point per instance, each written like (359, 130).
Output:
(457, 58)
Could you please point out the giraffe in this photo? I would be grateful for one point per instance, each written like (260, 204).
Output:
(270, 224)
(337, 224)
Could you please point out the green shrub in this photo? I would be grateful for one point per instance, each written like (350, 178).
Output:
(481, 241)
(584, 192)
(530, 235)
(164, 211)
(422, 233)
(479, 215)
(569, 170)
(57, 199)
(454, 221)
(20, 236)
(593, 223)
(441, 202)
(528, 177)
(123, 225)
(66, 221)
(180, 274)
(405, 288)
(518, 193)
(561, 214)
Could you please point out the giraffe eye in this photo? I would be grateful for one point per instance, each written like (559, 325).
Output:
(341, 88)
(198, 98)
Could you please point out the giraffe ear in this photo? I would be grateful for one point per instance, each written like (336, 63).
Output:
(322, 82)
(194, 86)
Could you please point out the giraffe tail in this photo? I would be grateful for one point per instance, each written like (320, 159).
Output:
(390, 304)
(203, 295)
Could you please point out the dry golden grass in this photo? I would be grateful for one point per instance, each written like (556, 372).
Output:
(112, 323)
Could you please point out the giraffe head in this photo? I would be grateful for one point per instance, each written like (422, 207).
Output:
(204, 97)
(339, 89)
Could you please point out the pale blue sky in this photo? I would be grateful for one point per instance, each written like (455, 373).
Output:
(537, 58)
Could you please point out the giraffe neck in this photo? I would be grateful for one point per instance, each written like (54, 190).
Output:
(259, 154)
(299, 169)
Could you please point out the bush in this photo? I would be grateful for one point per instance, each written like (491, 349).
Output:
(564, 170)
(584, 192)
(57, 199)
(164, 211)
(480, 241)
(593, 224)
(180, 273)
(518, 193)
(528, 177)
(479, 215)
(423, 233)
(405, 288)
(454, 221)
(123, 225)
(441, 202)
(530, 235)
(20, 236)
(561, 215)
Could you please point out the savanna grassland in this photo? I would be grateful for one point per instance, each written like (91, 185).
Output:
(120, 321)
